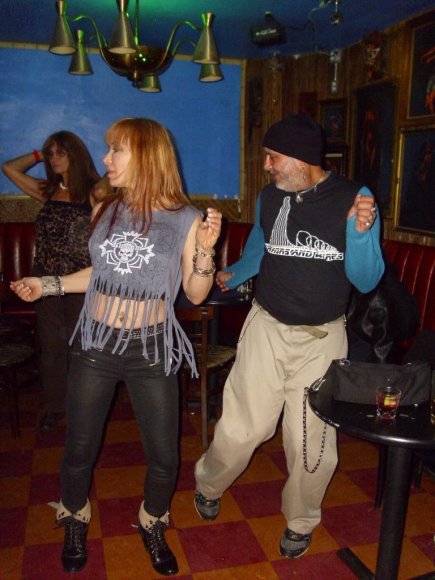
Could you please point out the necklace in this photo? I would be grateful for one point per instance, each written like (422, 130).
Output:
(62, 186)
(300, 194)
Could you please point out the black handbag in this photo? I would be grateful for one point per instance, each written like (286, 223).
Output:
(356, 382)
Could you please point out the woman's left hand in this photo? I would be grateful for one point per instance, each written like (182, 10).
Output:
(209, 230)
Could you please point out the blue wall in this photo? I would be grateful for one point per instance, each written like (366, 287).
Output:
(38, 97)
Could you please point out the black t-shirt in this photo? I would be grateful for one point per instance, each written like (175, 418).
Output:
(302, 278)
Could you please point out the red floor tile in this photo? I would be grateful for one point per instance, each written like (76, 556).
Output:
(220, 546)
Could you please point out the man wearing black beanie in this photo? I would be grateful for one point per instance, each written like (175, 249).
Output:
(315, 235)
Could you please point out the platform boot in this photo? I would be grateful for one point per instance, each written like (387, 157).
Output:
(152, 530)
(74, 553)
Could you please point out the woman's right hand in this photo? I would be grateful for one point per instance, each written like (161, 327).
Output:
(28, 289)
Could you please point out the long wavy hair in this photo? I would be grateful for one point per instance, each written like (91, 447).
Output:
(153, 180)
(82, 174)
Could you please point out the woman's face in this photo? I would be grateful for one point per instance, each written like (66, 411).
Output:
(116, 162)
(58, 159)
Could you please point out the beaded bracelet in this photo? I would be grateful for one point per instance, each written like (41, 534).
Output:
(203, 271)
(52, 286)
(203, 254)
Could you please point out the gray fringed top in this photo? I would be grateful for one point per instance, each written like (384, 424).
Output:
(135, 268)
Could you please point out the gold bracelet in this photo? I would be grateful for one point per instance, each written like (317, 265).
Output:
(204, 254)
(202, 271)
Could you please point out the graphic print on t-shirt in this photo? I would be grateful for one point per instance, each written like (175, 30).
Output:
(127, 250)
(306, 245)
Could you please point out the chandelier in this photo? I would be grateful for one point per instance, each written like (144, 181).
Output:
(126, 56)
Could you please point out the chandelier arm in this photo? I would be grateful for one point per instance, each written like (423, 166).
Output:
(100, 36)
(136, 23)
(180, 42)
(174, 31)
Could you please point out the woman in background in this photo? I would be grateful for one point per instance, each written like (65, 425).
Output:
(62, 234)
(147, 239)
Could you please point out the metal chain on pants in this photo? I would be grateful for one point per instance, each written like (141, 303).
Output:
(322, 446)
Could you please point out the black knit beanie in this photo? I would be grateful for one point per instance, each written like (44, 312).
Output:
(296, 136)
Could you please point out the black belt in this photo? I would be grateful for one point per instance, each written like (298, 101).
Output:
(136, 333)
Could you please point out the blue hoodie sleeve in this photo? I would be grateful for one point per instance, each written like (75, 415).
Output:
(363, 261)
(249, 264)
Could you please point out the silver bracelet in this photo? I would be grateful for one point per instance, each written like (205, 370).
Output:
(203, 271)
(52, 286)
(204, 254)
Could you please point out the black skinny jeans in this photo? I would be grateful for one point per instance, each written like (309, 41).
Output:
(56, 318)
(154, 397)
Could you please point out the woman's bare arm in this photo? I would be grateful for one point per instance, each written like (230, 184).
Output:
(16, 169)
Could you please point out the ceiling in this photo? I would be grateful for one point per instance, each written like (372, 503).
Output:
(307, 23)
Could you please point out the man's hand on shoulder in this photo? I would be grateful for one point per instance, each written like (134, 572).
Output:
(364, 210)
(221, 279)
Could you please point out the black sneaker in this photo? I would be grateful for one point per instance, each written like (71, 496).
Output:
(208, 509)
(294, 545)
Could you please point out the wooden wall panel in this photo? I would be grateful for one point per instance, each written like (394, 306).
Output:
(312, 73)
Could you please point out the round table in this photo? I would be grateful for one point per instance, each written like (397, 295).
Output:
(412, 429)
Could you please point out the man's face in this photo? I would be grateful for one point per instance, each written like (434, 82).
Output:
(284, 170)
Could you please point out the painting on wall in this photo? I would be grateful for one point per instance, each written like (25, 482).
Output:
(336, 160)
(416, 200)
(422, 83)
(374, 141)
(333, 120)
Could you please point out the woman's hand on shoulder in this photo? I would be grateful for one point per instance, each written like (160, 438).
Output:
(28, 289)
(209, 230)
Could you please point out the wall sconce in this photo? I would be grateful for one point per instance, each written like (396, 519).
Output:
(140, 63)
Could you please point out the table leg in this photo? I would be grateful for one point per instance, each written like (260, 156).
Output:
(396, 495)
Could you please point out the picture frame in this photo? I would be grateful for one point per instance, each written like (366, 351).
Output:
(375, 112)
(336, 159)
(415, 208)
(333, 119)
(421, 100)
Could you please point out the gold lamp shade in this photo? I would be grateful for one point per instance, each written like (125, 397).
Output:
(122, 39)
(62, 41)
(80, 64)
(150, 84)
(210, 73)
(206, 51)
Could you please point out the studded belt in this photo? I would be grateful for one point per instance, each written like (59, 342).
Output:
(136, 333)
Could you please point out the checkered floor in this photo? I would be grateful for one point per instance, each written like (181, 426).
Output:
(241, 544)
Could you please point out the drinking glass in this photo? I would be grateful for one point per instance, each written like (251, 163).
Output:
(387, 401)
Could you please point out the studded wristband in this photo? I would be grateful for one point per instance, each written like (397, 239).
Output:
(52, 286)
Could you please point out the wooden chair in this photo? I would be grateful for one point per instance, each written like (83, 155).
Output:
(210, 358)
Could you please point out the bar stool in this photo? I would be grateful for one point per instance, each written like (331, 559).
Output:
(12, 356)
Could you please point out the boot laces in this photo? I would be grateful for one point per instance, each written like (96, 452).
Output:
(74, 533)
(156, 536)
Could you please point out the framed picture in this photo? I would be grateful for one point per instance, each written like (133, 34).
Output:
(422, 82)
(336, 160)
(416, 201)
(374, 141)
(333, 120)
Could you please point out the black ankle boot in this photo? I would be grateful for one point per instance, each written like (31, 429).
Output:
(162, 559)
(74, 553)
